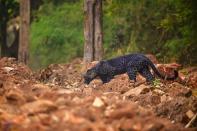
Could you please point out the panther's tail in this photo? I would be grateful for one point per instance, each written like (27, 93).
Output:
(163, 76)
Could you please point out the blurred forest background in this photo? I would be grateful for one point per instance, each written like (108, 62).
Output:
(165, 28)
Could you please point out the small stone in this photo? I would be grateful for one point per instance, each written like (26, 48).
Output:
(159, 91)
(15, 97)
(8, 69)
(40, 106)
(127, 112)
(64, 91)
(190, 114)
(155, 127)
(98, 102)
(60, 101)
(55, 118)
(136, 91)
(75, 84)
(40, 85)
(86, 86)
(165, 98)
(87, 91)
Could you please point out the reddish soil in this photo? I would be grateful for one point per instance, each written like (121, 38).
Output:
(55, 98)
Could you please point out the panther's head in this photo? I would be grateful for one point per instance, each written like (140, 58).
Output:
(89, 75)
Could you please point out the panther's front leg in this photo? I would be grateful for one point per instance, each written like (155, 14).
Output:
(132, 72)
(106, 78)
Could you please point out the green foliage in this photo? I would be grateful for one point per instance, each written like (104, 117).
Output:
(165, 28)
(156, 83)
(161, 27)
(56, 34)
(12, 7)
(117, 27)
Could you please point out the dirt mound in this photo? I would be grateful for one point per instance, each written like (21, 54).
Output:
(55, 98)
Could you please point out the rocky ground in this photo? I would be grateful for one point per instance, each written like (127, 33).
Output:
(55, 98)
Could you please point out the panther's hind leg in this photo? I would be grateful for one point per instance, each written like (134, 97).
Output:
(147, 74)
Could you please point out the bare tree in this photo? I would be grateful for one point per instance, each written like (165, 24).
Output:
(88, 30)
(93, 49)
(98, 35)
(4, 20)
(23, 55)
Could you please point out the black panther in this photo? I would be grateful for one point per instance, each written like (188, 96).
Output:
(130, 64)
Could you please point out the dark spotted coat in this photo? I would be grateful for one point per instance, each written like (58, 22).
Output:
(130, 64)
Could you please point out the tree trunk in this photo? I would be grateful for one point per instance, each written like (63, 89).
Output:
(93, 49)
(23, 55)
(4, 19)
(89, 30)
(98, 41)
